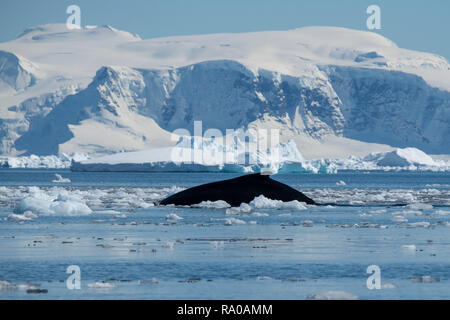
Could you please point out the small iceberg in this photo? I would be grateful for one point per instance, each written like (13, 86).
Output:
(60, 179)
(173, 217)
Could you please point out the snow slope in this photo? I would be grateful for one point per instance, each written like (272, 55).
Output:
(334, 91)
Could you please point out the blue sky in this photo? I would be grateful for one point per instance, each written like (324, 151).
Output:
(414, 24)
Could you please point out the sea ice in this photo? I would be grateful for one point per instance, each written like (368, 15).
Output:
(102, 285)
(262, 202)
(219, 204)
(332, 295)
(60, 179)
(173, 217)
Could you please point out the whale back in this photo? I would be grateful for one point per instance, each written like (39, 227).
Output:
(238, 190)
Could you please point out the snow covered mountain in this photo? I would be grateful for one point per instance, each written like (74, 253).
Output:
(334, 91)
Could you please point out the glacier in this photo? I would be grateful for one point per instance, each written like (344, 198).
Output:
(210, 155)
(335, 92)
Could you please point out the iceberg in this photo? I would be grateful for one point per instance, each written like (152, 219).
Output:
(61, 161)
(401, 158)
(209, 155)
(411, 159)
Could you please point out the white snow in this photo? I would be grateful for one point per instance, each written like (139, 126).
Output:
(128, 93)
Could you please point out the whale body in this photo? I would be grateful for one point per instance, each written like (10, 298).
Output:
(236, 191)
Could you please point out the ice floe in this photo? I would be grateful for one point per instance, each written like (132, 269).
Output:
(102, 285)
(173, 217)
(262, 202)
(231, 221)
(60, 179)
(425, 279)
(332, 295)
(219, 204)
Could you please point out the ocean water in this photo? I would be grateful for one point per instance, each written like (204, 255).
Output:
(127, 248)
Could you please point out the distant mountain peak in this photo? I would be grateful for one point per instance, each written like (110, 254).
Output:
(58, 32)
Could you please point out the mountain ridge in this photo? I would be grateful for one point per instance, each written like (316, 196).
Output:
(312, 85)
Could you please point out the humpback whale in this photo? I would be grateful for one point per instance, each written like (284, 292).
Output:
(239, 190)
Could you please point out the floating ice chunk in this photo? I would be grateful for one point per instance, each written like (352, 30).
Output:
(217, 244)
(425, 279)
(388, 286)
(262, 202)
(169, 245)
(332, 295)
(243, 208)
(263, 278)
(152, 281)
(308, 223)
(44, 204)
(26, 216)
(70, 208)
(419, 206)
(172, 217)
(60, 179)
(102, 285)
(379, 211)
(7, 285)
(423, 224)
(144, 205)
(258, 214)
(341, 183)
(399, 219)
(407, 212)
(219, 204)
(107, 212)
(441, 212)
(409, 246)
(28, 286)
(231, 221)
(36, 203)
